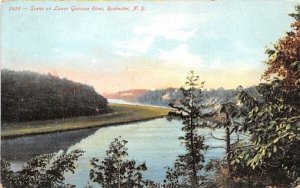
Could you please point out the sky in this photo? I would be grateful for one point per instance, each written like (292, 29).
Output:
(222, 41)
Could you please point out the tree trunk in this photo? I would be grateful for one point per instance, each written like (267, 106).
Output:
(194, 178)
(228, 150)
(119, 175)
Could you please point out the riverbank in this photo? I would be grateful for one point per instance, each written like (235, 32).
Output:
(122, 114)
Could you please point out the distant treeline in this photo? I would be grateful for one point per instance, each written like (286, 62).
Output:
(31, 96)
(163, 97)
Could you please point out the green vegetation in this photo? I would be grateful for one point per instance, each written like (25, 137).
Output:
(271, 157)
(115, 170)
(163, 97)
(42, 171)
(231, 125)
(120, 114)
(190, 111)
(27, 96)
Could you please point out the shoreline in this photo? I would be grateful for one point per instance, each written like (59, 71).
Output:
(123, 114)
(80, 128)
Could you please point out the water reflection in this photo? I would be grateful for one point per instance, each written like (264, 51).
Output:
(22, 149)
(155, 142)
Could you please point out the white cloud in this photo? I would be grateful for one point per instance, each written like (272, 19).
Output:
(217, 64)
(181, 56)
(179, 27)
(135, 47)
(169, 26)
(222, 65)
(244, 49)
(55, 49)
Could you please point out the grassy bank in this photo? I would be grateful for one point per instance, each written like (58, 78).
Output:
(122, 113)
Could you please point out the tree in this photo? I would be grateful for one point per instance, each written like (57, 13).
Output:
(28, 96)
(115, 171)
(189, 111)
(284, 58)
(274, 126)
(274, 121)
(231, 125)
(42, 171)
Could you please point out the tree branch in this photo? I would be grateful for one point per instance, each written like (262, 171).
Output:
(215, 147)
(216, 137)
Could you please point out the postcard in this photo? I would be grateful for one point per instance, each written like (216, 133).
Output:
(158, 93)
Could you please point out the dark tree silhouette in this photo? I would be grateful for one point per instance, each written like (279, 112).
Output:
(189, 111)
(29, 96)
(115, 171)
(42, 171)
(230, 123)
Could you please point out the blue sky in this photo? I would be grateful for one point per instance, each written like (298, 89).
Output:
(223, 41)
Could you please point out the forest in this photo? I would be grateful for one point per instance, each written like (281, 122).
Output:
(163, 97)
(27, 96)
(270, 157)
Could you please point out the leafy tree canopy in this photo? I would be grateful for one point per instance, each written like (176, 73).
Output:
(32, 96)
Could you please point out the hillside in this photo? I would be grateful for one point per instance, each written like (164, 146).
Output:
(128, 95)
(163, 97)
(29, 96)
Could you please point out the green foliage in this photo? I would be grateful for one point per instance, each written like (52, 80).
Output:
(274, 126)
(163, 97)
(115, 171)
(231, 124)
(42, 171)
(189, 111)
(296, 15)
(273, 122)
(284, 57)
(31, 96)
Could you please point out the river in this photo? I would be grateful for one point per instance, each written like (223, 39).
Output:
(155, 141)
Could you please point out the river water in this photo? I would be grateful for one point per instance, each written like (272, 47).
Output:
(155, 141)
